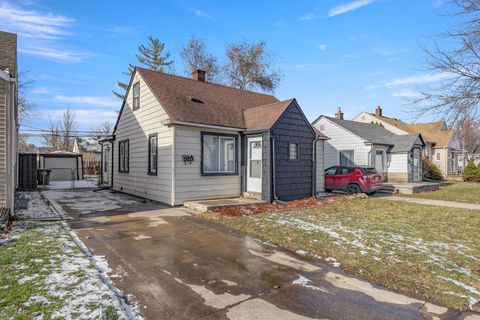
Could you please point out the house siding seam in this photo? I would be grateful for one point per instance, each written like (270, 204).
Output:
(293, 178)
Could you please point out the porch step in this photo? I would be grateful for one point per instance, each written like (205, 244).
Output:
(410, 188)
(252, 195)
(209, 205)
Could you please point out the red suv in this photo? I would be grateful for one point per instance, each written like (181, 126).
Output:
(353, 179)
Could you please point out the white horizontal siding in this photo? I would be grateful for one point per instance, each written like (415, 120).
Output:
(341, 139)
(137, 125)
(189, 182)
(398, 162)
(320, 174)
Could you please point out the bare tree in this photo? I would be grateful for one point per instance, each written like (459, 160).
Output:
(68, 126)
(24, 145)
(102, 130)
(195, 57)
(468, 132)
(457, 61)
(26, 108)
(61, 134)
(52, 138)
(251, 66)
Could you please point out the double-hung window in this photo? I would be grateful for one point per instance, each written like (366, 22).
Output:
(152, 154)
(136, 96)
(123, 156)
(219, 154)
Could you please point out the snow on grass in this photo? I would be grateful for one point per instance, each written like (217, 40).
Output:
(53, 278)
(37, 207)
(412, 248)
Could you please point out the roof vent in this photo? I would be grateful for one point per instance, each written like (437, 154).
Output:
(195, 100)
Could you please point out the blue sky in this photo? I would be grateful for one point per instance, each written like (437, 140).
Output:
(354, 54)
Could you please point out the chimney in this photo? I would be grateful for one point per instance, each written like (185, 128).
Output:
(199, 75)
(378, 111)
(339, 114)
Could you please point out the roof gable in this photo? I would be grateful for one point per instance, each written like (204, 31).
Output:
(264, 117)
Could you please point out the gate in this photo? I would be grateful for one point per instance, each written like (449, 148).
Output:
(27, 171)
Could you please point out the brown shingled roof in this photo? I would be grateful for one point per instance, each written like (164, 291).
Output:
(264, 117)
(189, 100)
(431, 131)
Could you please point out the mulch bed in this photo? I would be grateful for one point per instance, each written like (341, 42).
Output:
(253, 209)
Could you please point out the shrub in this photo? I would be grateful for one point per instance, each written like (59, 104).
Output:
(471, 172)
(431, 171)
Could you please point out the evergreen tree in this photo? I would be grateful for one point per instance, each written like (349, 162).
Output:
(151, 56)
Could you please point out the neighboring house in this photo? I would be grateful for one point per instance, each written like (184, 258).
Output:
(442, 145)
(179, 139)
(396, 157)
(8, 122)
(89, 147)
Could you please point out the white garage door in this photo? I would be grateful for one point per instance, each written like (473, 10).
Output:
(61, 168)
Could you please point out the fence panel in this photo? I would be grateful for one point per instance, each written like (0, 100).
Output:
(27, 171)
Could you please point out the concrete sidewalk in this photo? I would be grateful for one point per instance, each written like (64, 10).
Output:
(430, 202)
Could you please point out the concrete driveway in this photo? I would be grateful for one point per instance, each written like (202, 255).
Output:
(179, 266)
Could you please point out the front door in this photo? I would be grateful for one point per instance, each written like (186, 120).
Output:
(254, 164)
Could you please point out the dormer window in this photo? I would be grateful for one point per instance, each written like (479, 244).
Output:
(136, 96)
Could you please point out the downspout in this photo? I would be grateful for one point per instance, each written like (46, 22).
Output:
(314, 166)
(173, 199)
(273, 169)
(112, 161)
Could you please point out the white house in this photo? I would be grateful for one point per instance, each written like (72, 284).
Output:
(441, 143)
(396, 157)
(178, 139)
(8, 122)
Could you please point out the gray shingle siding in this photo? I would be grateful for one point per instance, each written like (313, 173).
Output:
(266, 168)
(293, 178)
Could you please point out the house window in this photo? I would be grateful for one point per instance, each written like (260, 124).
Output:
(346, 158)
(438, 156)
(293, 151)
(136, 96)
(219, 154)
(123, 156)
(152, 154)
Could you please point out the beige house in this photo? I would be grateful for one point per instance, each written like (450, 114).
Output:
(8, 121)
(442, 146)
(178, 139)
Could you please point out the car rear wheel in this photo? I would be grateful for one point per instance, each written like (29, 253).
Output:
(354, 188)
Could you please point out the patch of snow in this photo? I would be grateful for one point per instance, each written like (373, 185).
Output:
(333, 262)
(75, 184)
(7, 240)
(27, 279)
(301, 252)
(37, 207)
(305, 282)
(230, 283)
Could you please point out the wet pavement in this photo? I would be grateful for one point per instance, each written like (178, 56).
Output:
(180, 266)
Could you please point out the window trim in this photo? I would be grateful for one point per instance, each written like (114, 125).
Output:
(133, 96)
(218, 134)
(296, 151)
(437, 156)
(149, 171)
(126, 168)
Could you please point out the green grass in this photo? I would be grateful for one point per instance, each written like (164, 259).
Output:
(406, 247)
(462, 192)
(41, 274)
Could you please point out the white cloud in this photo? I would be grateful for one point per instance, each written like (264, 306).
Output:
(31, 23)
(280, 23)
(419, 79)
(57, 55)
(198, 12)
(42, 90)
(387, 52)
(348, 7)
(407, 93)
(308, 16)
(322, 46)
(88, 100)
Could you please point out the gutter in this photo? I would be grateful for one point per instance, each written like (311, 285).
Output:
(200, 125)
